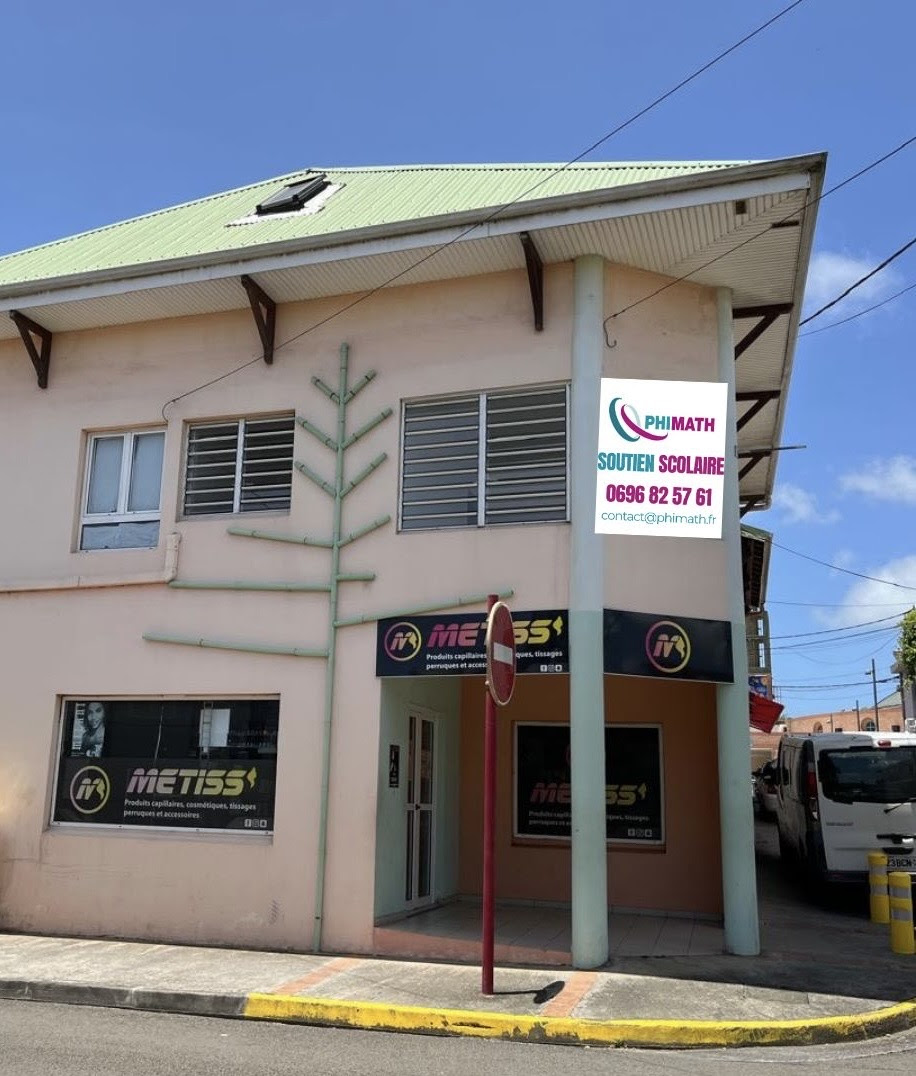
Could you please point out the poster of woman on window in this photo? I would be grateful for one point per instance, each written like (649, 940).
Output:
(88, 730)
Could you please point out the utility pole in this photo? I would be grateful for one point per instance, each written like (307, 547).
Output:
(858, 719)
(874, 687)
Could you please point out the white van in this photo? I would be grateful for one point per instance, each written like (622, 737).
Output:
(841, 795)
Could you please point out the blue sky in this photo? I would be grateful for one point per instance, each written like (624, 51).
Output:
(113, 109)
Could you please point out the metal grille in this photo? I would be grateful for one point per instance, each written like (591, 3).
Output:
(526, 457)
(267, 465)
(486, 459)
(439, 474)
(240, 466)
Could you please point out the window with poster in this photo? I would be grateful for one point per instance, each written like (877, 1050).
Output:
(167, 763)
(634, 787)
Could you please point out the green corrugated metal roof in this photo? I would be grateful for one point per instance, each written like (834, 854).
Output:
(369, 197)
(756, 532)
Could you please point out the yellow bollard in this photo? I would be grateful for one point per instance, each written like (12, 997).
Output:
(877, 887)
(900, 893)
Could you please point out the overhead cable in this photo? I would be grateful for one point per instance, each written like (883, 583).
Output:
(493, 214)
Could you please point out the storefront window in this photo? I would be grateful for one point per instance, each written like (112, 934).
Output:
(633, 782)
(175, 763)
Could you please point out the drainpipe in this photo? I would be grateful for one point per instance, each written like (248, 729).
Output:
(92, 582)
(332, 650)
(586, 627)
(736, 811)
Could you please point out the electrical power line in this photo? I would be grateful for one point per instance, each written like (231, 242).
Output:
(757, 235)
(819, 687)
(836, 641)
(858, 283)
(861, 313)
(846, 627)
(837, 568)
(501, 209)
(837, 605)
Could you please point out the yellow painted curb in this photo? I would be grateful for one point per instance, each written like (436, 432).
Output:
(671, 1034)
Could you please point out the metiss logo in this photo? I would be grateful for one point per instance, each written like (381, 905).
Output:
(667, 646)
(90, 790)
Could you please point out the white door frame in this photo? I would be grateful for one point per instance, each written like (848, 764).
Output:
(422, 795)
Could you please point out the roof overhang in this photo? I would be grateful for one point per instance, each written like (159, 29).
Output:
(755, 562)
(678, 226)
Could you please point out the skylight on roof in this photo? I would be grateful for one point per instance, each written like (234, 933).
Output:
(293, 196)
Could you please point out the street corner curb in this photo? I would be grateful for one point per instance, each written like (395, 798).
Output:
(650, 1034)
(117, 997)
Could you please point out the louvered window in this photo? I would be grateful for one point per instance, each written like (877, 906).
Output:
(244, 465)
(496, 457)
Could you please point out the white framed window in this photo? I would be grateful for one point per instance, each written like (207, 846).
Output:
(241, 465)
(485, 459)
(122, 490)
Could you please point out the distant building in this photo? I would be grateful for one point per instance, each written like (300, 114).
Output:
(889, 719)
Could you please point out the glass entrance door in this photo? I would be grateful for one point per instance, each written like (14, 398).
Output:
(420, 807)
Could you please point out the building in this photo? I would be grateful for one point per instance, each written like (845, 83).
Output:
(268, 451)
(887, 718)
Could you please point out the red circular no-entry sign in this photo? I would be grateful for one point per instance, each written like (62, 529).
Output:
(500, 654)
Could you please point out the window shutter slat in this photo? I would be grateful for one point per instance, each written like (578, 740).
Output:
(266, 446)
(526, 466)
(267, 466)
(439, 466)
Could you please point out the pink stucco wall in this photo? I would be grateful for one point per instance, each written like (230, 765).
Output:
(461, 335)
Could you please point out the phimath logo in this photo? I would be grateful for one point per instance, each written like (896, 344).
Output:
(627, 423)
(90, 789)
(667, 646)
(403, 641)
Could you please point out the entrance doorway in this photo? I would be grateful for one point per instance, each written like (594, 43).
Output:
(419, 886)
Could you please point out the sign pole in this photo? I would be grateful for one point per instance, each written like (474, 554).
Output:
(500, 685)
(489, 831)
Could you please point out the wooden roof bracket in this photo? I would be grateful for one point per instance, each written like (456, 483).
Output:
(265, 316)
(535, 279)
(41, 359)
(748, 504)
(767, 314)
(761, 398)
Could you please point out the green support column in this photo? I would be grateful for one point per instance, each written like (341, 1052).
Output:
(736, 811)
(586, 630)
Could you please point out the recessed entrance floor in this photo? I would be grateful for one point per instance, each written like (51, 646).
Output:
(539, 935)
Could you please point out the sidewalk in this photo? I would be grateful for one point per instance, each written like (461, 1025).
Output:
(823, 976)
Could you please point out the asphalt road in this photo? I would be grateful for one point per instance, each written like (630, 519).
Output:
(39, 1039)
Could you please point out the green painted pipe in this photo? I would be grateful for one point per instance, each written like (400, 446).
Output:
(245, 584)
(225, 644)
(363, 531)
(316, 433)
(356, 577)
(364, 473)
(274, 536)
(332, 652)
(360, 385)
(326, 389)
(370, 425)
(452, 603)
(303, 468)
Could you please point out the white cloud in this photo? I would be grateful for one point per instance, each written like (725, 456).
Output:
(869, 600)
(844, 558)
(831, 273)
(797, 505)
(892, 479)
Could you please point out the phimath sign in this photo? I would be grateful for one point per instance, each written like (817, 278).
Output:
(661, 458)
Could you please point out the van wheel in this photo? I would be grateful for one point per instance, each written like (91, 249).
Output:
(786, 853)
(815, 877)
